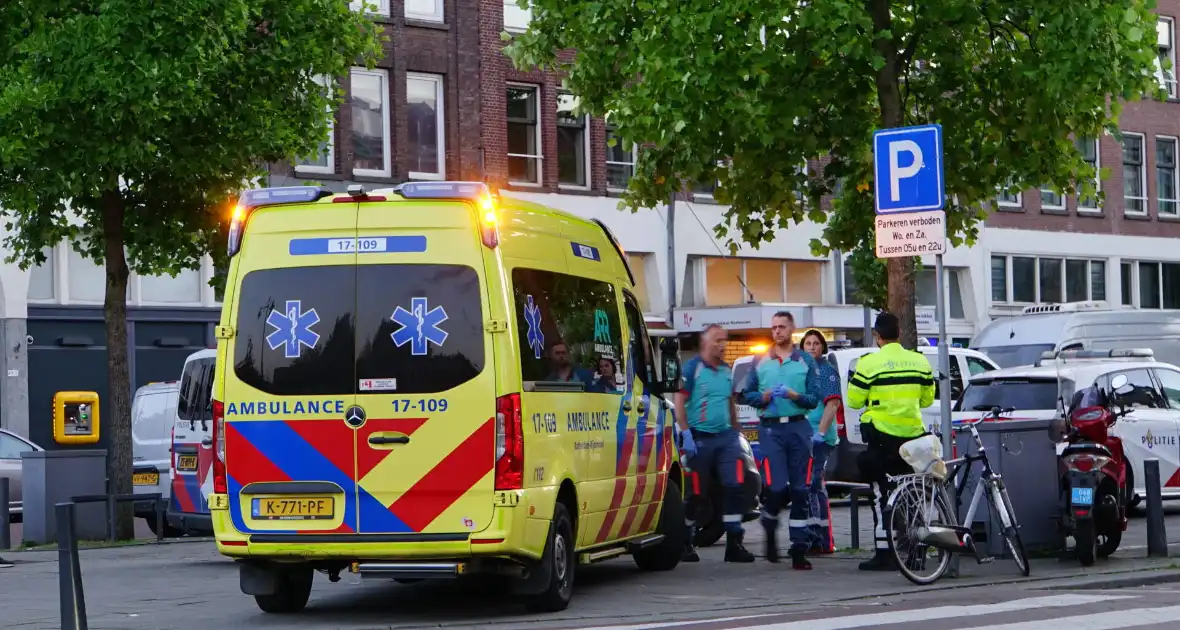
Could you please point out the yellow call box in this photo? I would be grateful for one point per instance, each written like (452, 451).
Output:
(75, 417)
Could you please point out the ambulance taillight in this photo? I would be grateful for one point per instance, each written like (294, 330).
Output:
(220, 483)
(509, 443)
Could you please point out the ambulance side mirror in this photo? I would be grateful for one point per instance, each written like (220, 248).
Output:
(670, 365)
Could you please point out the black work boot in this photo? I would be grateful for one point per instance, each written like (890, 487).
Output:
(799, 561)
(690, 551)
(881, 561)
(771, 528)
(734, 550)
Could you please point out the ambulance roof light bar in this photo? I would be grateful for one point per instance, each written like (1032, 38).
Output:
(255, 198)
(1122, 353)
(444, 190)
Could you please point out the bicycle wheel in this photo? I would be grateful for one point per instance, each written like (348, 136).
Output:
(1001, 505)
(918, 505)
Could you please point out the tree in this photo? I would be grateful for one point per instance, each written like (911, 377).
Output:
(126, 127)
(746, 91)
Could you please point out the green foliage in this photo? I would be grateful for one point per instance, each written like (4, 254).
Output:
(166, 108)
(760, 86)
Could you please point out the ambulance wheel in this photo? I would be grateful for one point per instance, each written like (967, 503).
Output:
(666, 555)
(293, 588)
(560, 555)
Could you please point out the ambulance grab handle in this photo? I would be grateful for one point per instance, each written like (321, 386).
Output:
(399, 439)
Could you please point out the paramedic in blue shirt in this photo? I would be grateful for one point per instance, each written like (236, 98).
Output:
(783, 386)
(706, 415)
(823, 443)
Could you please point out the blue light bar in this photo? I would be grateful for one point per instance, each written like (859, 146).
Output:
(286, 194)
(443, 190)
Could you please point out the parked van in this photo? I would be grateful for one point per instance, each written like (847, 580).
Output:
(192, 446)
(1091, 325)
(429, 381)
(153, 414)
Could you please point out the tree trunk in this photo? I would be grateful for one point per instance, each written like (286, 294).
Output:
(116, 414)
(901, 270)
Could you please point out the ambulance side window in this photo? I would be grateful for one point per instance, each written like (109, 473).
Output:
(295, 331)
(641, 353)
(569, 333)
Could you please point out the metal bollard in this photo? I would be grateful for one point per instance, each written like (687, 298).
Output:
(160, 518)
(5, 517)
(1157, 536)
(111, 503)
(69, 571)
(854, 515)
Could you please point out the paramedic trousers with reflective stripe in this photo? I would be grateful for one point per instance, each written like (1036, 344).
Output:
(717, 454)
(880, 459)
(786, 447)
(820, 524)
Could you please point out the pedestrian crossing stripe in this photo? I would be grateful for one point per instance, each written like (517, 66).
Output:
(870, 620)
(1132, 618)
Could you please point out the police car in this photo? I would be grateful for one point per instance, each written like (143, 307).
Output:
(429, 381)
(1150, 430)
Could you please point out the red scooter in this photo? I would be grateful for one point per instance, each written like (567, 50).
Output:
(1093, 471)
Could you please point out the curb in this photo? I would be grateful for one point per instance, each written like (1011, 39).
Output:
(145, 542)
(1159, 576)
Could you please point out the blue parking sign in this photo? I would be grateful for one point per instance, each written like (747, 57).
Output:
(907, 164)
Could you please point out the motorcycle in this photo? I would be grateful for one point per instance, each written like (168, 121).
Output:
(1093, 469)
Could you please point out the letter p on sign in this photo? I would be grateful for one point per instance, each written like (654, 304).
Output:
(909, 159)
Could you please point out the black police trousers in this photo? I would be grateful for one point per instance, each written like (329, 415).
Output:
(880, 459)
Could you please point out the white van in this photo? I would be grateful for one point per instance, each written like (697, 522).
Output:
(153, 413)
(1092, 325)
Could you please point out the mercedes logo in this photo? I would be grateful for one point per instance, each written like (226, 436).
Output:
(354, 416)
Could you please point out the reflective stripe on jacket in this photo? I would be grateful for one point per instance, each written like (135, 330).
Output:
(894, 384)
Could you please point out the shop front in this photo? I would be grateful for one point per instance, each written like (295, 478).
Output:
(749, 324)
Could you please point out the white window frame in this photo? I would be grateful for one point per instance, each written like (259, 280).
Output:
(1142, 173)
(1019, 203)
(585, 150)
(1159, 208)
(381, 6)
(1051, 206)
(330, 169)
(1010, 291)
(440, 123)
(634, 163)
(1097, 208)
(387, 132)
(511, 8)
(1166, 27)
(540, 155)
(704, 197)
(435, 16)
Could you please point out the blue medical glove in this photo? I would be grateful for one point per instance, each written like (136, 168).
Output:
(817, 437)
(779, 391)
(688, 446)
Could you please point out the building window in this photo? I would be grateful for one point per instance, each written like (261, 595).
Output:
(425, 122)
(703, 191)
(375, 7)
(764, 280)
(515, 17)
(1127, 276)
(572, 147)
(1089, 150)
(1048, 280)
(1051, 200)
(1166, 183)
(926, 290)
(1149, 285)
(999, 278)
(524, 138)
(426, 10)
(621, 158)
(1009, 199)
(323, 160)
(723, 281)
(1165, 63)
(1134, 175)
(1157, 285)
(43, 278)
(369, 104)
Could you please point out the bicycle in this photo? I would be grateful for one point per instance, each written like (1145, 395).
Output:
(920, 514)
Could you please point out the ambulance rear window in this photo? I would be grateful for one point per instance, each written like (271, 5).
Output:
(322, 330)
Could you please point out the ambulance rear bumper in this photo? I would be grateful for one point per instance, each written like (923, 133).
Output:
(410, 570)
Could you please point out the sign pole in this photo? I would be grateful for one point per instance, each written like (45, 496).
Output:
(944, 358)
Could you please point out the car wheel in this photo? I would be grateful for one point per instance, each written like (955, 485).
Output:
(561, 556)
(291, 593)
(666, 555)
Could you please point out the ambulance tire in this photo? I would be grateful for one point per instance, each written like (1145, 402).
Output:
(666, 555)
(293, 588)
(559, 553)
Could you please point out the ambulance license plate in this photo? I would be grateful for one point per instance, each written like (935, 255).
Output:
(145, 478)
(293, 509)
(186, 462)
(1082, 496)
(751, 435)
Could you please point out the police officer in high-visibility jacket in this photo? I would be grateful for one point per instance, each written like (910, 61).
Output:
(783, 385)
(893, 385)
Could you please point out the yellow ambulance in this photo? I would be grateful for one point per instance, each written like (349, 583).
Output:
(430, 381)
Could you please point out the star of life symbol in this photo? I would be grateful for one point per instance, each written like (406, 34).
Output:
(420, 326)
(292, 329)
(536, 337)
